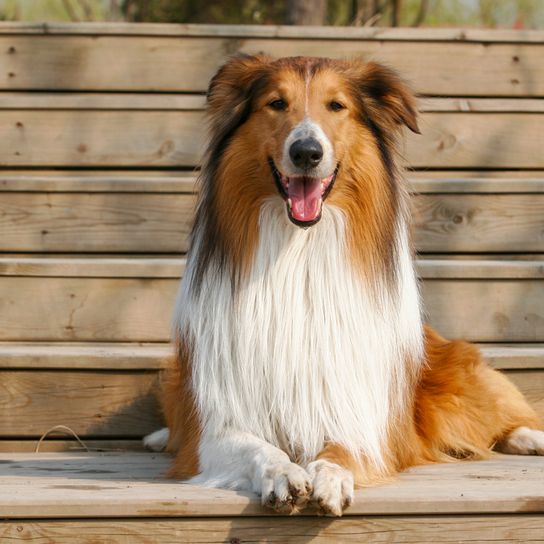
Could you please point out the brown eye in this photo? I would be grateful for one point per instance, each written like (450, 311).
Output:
(278, 105)
(336, 106)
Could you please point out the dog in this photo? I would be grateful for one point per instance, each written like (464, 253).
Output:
(302, 366)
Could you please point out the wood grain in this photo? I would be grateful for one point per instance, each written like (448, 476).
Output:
(121, 138)
(276, 31)
(179, 181)
(70, 485)
(160, 223)
(143, 356)
(180, 63)
(92, 403)
(38, 308)
(350, 529)
(96, 222)
(118, 404)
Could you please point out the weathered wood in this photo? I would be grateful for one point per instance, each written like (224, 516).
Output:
(61, 443)
(354, 529)
(119, 356)
(275, 31)
(189, 102)
(172, 63)
(101, 138)
(160, 223)
(172, 181)
(119, 404)
(120, 138)
(96, 222)
(92, 403)
(153, 267)
(119, 485)
(459, 299)
(137, 356)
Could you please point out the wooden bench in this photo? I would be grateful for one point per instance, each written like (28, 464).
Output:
(101, 129)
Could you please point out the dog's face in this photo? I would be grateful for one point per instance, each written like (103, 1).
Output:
(299, 127)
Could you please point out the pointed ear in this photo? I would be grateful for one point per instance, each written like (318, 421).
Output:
(388, 99)
(232, 88)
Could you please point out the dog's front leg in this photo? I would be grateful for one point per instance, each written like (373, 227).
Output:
(332, 475)
(240, 460)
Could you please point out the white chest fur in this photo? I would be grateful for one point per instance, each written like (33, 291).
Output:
(306, 350)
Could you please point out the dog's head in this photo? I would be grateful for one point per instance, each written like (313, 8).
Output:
(305, 129)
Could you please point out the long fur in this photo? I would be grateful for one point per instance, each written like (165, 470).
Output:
(302, 363)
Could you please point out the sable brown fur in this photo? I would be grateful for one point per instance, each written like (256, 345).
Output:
(457, 405)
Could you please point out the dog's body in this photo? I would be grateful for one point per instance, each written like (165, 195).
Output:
(302, 363)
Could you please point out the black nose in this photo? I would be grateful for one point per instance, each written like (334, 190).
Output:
(306, 153)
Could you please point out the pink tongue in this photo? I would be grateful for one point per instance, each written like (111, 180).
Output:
(305, 195)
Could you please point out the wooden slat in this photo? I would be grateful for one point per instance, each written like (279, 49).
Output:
(120, 485)
(172, 181)
(168, 63)
(275, 31)
(189, 102)
(119, 404)
(133, 356)
(154, 267)
(96, 222)
(120, 138)
(354, 529)
(118, 356)
(101, 138)
(92, 403)
(58, 444)
(160, 223)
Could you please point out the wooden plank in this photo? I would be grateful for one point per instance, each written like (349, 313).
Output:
(92, 403)
(118, 404)
(82, 309)
(486, 311)
(124, 222)
(137, 356)
(188, 102)
(96, 222)
(116, 356)
(168, 101)
(154, 63)
(178, 181)
(101, 138)
(70, 138)
(98, 181)
(531, 384)
(61, 445)
(74, 485)
(274, 31)
(461, 302)
(355, 529)
(153, 267)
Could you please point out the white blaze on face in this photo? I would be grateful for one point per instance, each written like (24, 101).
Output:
(305, 188)
(308, 129)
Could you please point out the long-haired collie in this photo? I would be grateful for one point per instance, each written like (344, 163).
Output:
(302, 366)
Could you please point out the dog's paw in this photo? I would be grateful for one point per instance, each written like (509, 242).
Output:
(523, 441)
(158, 440)
(286, 487)
(332, 487)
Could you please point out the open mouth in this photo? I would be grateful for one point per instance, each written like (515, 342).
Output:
(304, 195)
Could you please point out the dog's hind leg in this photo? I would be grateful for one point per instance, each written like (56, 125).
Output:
(464, 407)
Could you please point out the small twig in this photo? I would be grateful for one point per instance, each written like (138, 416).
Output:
(61, 428)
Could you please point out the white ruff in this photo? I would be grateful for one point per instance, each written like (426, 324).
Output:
(306, 351)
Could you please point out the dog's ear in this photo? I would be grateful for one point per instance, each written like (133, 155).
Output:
(387, 98)
(232, 88)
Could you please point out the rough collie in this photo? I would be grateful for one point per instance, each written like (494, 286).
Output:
(302, 365)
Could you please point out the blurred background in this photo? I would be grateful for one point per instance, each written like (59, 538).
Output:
(520, 14)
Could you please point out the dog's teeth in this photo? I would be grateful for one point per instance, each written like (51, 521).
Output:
(289, 203)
